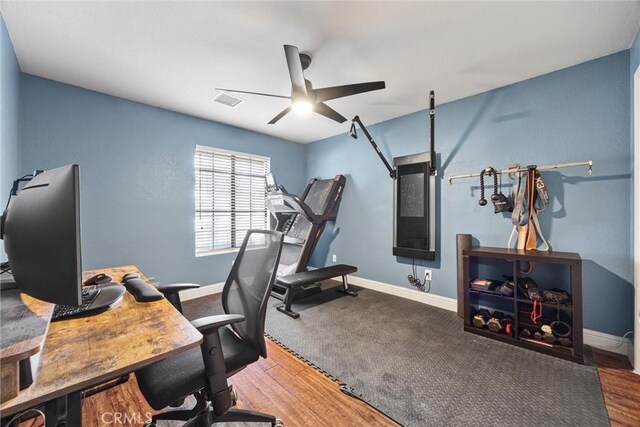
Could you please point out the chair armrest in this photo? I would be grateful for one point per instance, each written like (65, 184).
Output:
(172, 288)
(206, 325)
(171, 292)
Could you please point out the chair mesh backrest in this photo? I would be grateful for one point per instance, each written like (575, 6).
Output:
(249, 284)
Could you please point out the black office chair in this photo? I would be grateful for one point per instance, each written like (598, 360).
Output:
(231, 342)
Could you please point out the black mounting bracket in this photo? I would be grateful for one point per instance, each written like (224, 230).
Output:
(432, 136)
(392, 172)
(353, 134)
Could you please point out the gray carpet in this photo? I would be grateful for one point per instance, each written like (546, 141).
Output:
(414, 363)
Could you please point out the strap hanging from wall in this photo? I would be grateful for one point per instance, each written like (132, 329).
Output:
(526, 227)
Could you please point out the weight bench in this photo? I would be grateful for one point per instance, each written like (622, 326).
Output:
(297, 282)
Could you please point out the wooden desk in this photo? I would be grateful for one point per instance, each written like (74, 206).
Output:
(83, 352)
(25, 322)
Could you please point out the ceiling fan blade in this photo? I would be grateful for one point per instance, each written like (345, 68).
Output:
(327, 93)
(253, 93)
(329, 112)
(281, 115)
(295, 70)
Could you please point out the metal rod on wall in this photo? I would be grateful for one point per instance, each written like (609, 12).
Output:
(588, 163)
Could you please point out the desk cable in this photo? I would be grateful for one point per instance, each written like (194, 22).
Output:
(18, 416)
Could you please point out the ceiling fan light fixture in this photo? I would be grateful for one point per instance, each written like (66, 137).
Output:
(301, 107)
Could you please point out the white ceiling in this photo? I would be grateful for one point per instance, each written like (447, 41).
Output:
(173, 54)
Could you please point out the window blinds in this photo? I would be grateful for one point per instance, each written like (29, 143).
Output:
(230, 198)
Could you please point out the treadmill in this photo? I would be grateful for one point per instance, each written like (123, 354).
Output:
(302, 220)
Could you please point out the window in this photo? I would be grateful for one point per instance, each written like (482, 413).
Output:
(230, 198)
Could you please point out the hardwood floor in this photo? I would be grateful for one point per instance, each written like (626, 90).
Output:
(281, 385)
(620, 388)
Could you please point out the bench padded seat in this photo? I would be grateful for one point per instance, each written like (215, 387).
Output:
(308, 277)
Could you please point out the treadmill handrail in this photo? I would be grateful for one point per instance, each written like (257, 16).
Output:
(304, 209)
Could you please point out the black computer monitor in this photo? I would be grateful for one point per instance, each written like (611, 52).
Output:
(41, 234)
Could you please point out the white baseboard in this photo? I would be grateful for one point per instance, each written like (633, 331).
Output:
(202, 291)
(612, 343)
(592, 338)
(450, 304)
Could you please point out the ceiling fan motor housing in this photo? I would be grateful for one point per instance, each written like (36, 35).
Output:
(305, 60)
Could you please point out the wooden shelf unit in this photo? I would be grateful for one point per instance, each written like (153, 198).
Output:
(514, 262)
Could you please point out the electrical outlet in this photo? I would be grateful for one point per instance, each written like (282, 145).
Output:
(427, 275)
(334, 258)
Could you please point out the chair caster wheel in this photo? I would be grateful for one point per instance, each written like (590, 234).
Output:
(279, 423)
(234, 395)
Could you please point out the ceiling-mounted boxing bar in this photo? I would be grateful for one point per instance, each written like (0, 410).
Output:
(588, 163)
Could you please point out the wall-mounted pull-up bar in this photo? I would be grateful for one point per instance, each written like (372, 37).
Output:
(588, 163)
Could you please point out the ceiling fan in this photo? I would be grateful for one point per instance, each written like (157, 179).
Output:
(304, 97)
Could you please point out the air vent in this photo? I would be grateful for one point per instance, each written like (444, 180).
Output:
(226, 99)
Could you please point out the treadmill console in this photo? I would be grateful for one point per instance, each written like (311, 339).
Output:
(272, 185)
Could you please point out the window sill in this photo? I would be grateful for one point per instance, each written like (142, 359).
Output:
(217, 252)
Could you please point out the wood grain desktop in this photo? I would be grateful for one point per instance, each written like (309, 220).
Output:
(80, 353)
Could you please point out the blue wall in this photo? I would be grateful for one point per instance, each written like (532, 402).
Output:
(137, 179)
(575, 114)
(9, 116)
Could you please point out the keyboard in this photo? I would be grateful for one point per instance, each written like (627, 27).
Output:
(89, 295)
